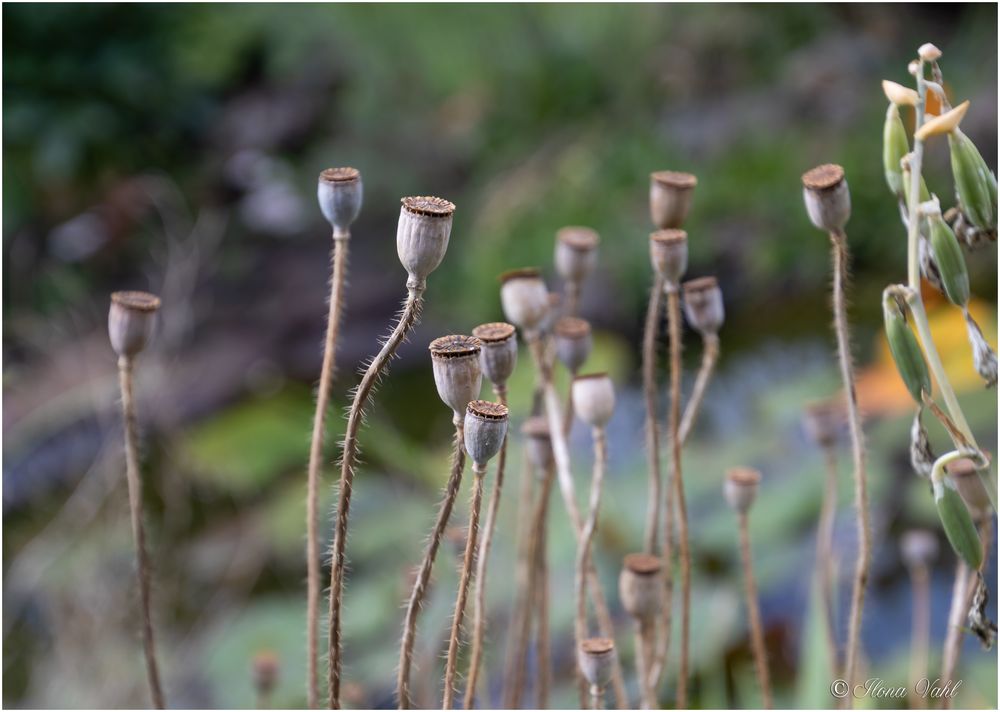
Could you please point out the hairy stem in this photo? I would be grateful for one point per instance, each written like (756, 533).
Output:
(134, 478)
(408, 318)
(419, 592)
(753, 612)
(654, 502)
(543, 652)
(313, 563)
(479, 602)
(824, 555)
(468, 564)
(920, 632)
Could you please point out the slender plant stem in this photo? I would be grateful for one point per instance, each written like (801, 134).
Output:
(674, 326)
(919, 632)
(753, 611)
(572, 298)
(479, 601)
(596, 698)
(709, 357)
(468, 565)
(134, 479)
(824, 554)
(543, 648)
(339, 256)
(645, 632)
(840, 265)
(408, 318)
(420, 585)
(568, 412)
(654, 502)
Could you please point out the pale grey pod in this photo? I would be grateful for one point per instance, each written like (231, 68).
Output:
(422, 235)
(703, 305)
(823, 420)
(131, 321)
(827, 197)
(740, 488)
(919, 548)
(668, 253)
(340, 192)
(457, 372)
(573, 342)
(640, 586)
(670, 196)
(485, 429)
(594, 399)
(538, 441)
(964, 473)
(596, 657)
(576, 252)
(524, 298)
(498, 356)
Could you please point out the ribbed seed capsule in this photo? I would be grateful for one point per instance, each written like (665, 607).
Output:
(894, 147)
(957, 523)
(975, 185)
(905, 349)
(485, 429)
(950, 261)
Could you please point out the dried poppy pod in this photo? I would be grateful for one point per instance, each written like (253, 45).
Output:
(422, 235)
(596, 657)
(131, 321)
(670, 196)
(524, 298)
(640, 586)
(822, 421)
(827, 197)
(573, 342)
(485, 429)
(919, 548)
(457, 372)
(594, 399)
(576, 252)
(538, 441)
(340, 192)
(668, 253)
(498, 356)
(703, 305)
(740, 488)
(964, 473)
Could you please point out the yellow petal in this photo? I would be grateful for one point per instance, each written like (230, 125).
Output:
(944, 124)
(898, 94)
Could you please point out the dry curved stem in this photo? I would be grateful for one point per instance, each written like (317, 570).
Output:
(313, 564)
(840, 264)
(420, 585)
(468, 564)
(753, 611)
(543, 648)
(709, 358)
(125, 379)
(824, 554)
(409, 317)
(482, 562)
(920, 632)
(654, 502)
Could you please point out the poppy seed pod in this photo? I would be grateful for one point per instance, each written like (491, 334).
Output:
(640, 586)
(703, 305)
(538, 441)
(498, 356)
(594, 399)
(524, 298)
(457, 372)
(822, 421)
(964, 473)
(485, 429)
(422, 235)
(919, 548)
(573, 342)
(827, 198)
(740, 488)
(596, 657)
(131, 320)
(576, 252)
(670, 196)
(340, 192)
(668, 253)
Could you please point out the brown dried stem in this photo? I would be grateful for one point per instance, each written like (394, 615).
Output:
(543, 651)
(649, 334)
(824, 553)
(753, 611)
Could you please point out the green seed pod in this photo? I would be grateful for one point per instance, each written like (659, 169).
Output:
(950, 261)
(957, 522)
(975, 185)
(905, 350)
(894, 147)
